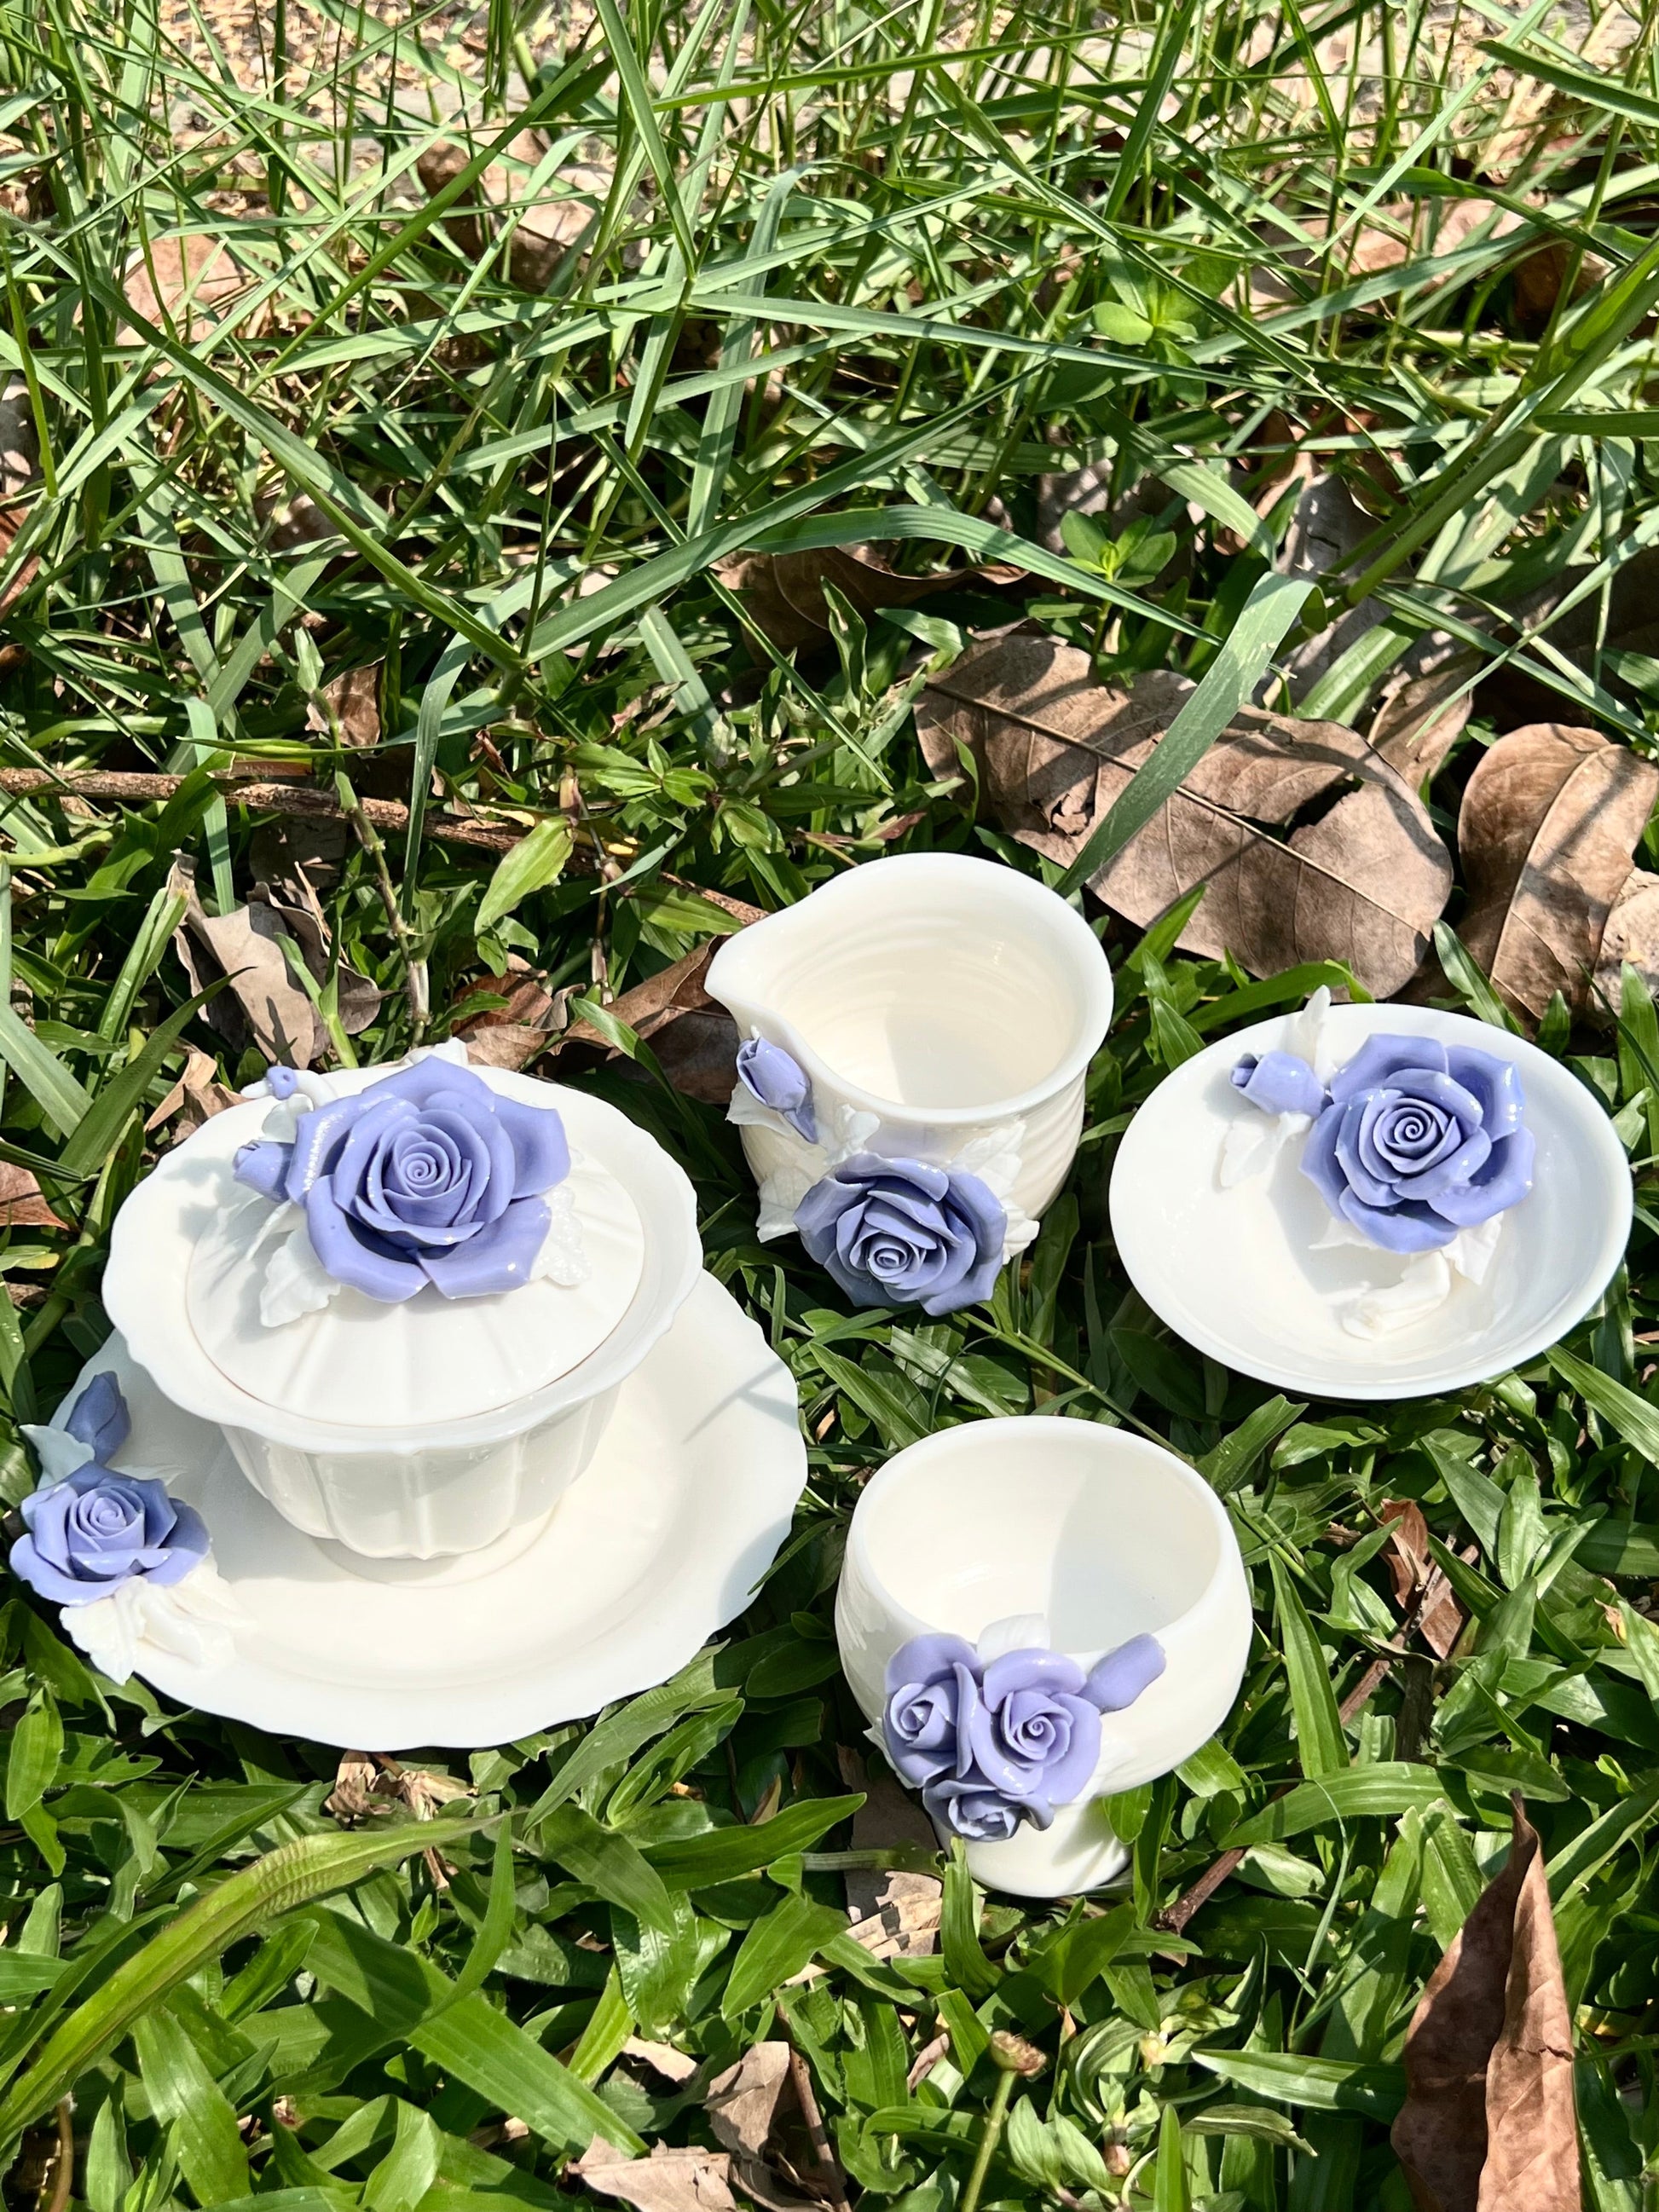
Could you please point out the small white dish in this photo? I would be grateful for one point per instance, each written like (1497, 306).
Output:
(413, 1431)
(941, 1008)
(1234, 1271)
(1063, 1534)
(685, 1503)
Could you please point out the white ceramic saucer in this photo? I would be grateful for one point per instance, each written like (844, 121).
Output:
(1232, 1271)
(657, 1545)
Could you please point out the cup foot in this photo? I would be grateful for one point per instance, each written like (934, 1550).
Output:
(447, 1568)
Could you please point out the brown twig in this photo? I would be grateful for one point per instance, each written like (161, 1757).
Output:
(834, 2180)
(63, 2179)
(1174, 1918)
(250, 784)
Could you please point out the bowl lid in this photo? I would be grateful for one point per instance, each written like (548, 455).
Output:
(360, 1363)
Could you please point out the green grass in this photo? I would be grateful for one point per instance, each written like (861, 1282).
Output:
(978, 249)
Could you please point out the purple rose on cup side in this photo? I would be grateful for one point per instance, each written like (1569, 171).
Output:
(768, 1073)
(429, 1175)
(990, 1743)
(1280, 1083)
(1420, 1140)
(898, 1232)
(97, 1530)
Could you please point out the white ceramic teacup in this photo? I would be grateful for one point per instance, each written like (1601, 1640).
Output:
(411, 1431)
(1065, 1534)
(940, 1007)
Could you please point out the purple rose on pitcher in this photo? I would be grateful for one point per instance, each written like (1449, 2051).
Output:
(1420, 1139)
(990, 1743)
(429, 1176)
(899, 1232)
(1279, 1083)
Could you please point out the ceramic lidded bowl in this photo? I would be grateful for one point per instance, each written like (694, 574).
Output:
(415, 1426)
(1035, 1613)
(927, 1008)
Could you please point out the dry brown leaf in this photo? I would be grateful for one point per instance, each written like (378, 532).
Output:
(355, 1778)
(1423, 716)
(1411, 1563)
(348, 710)
(894, 1913)
(186, 281)
(22, 1206)
(692, 1034)
(263, 1006)
(1488, 2121)
(661, 2057)
(747, 2107)
(1363, 881)
(196, 1097)
(784, 591)
(686, 2180)
(1549, 821)
(1633, 935)
(545, 230)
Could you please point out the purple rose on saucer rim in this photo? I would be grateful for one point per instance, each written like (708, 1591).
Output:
(1420, 1139)
(774, 1076)
(429, 1176)
(90, 1535)
(990, 1743)
(899, 1232)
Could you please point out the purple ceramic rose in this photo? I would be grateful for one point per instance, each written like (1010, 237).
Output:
(899, 1232)
(990, 1743)
(1412, 1141)
(769, 1075)
(97, 1530)
(429, 1175)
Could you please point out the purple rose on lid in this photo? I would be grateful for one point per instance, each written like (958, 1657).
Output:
(1420, 1140)
(97, 1530)
(990, 1743)
(1280, 1083)
(898, 1232)
(429, 1175)
(768, 1073)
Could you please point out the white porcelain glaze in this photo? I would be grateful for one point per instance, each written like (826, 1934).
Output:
(1234, 1271)
(1107, 1536)
(686, 1500)
(395, 1482)
(952, 998)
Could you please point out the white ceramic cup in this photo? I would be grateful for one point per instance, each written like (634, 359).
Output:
(384, 1484)
(1101, 1535)
(949, 999)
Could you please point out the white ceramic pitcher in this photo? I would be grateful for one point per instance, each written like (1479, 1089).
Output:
(939, 1007)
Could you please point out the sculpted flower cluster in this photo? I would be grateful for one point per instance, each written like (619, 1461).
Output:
(1413, 1142)
(991, 1743)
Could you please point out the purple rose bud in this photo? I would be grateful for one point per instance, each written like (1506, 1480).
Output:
(1420, 1140)
(99, 1418)
(1279, 1083)
(1118, 1680)
(768, 1073)
(429, 1175)
(91, 1533)
(281, 1082)
(898, 1232)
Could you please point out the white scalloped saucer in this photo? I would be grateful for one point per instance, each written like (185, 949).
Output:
(1241, 1272)
(657, 1545)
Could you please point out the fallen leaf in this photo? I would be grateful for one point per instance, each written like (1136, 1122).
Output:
(1488, 2123)
(365, 1782)
(347, 709)
(1549, 821)
(747, 2105)
(1633, 935)
(656, 1009)
(545, 229)
(262, 1005)
(196, 1097)
(894, 1913)
(1362, 882)
(684, 2180)
(351, 1797)
(22, 1206)
(1410, 1564)
(661, 2057)
(1423, 714)
(784, 591)
(186, 281)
